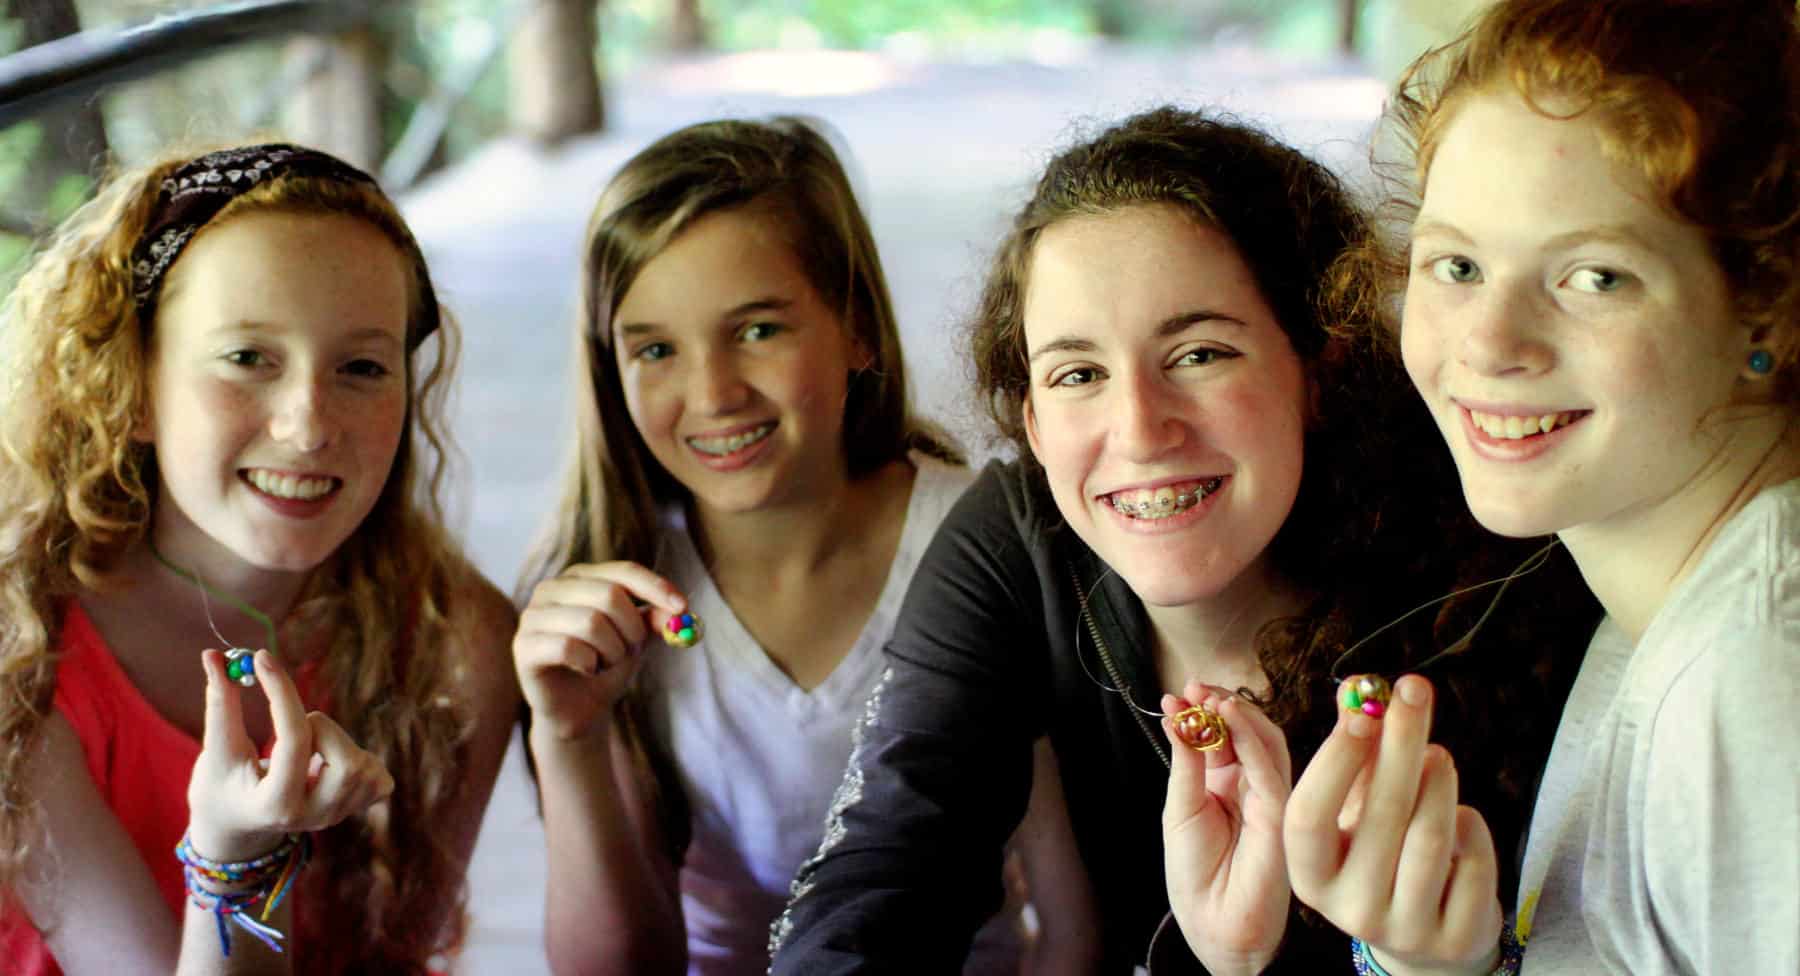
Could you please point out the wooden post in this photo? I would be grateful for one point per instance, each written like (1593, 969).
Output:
(337, 108)
(74, 133)
(687, 29)
(553, 70)
(1347, 13)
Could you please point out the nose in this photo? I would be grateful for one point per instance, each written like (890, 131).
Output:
(1147, 419)
(301, 418)
(716, 384)
(1500, 335)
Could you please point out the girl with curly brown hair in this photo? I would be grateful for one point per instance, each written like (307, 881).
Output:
(1224, 482)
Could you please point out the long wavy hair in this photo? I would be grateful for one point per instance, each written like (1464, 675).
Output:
(1701, 98)
(1378, 527)
(76, 492)
(613, 488)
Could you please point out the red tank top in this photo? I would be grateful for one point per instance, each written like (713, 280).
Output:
(136, 758)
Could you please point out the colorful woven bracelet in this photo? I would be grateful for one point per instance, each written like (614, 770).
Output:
(268, 879)
(1512, 956)
(237, 872)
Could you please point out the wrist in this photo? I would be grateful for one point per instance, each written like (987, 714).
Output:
(214, 844)
(1502, 959)
(1237, 964)
(550, 744)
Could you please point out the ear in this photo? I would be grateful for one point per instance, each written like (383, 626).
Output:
(1031, 432)
(143, 427)
(1769, 341)
(861, 356)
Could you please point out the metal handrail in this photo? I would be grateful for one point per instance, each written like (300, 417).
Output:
(82, 64)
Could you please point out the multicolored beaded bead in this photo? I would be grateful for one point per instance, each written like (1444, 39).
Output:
(240, 666)
(682, 630)
(1366, 693)
(1200, 729)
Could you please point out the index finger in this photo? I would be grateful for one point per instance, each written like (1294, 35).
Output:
(1310, 829)
(1261, 748)
(223, 730)
(640, 582)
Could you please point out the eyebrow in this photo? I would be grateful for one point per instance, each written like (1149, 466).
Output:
(1622, 234)
(1173, 325)
(766, 304)
(1430, 225)
(367, 333)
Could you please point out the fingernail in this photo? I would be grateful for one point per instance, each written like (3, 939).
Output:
(1360, 725)
(1414, 691)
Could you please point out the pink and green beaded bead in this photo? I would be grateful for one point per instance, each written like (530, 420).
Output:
(1366, 693)
(240, 666)
(682, 630)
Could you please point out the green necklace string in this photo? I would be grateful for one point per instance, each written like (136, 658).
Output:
(235, 603)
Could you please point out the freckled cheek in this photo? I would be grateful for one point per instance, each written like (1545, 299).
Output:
(1420, 352)
(390, 425)
(1068, 448)
(651, 407)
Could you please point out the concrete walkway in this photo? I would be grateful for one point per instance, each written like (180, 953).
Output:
(941, 153)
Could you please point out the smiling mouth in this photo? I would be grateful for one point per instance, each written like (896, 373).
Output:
(733, 443)
(1168, 501)
(1514, 427)
(303, 488)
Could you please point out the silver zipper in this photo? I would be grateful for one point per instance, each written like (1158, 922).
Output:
(1112, 670)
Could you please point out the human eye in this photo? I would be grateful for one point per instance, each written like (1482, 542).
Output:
(248, 358)
(367, 369)
(1073, 376)
(758, 331)
(1204, 355)
(1455, 269)
(1596, 280)
(653, 351)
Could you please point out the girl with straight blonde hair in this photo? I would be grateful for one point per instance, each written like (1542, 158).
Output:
(745, 456)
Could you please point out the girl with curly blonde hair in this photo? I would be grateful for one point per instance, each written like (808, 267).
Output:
(220, 429)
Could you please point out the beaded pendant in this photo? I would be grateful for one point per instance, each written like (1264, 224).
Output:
(682, 630)
(1366, 693)
(240, 666)
(1200, 729)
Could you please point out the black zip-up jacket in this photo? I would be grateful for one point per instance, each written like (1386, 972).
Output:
(994, 649)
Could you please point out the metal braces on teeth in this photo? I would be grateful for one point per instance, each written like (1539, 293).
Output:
(1166, 506)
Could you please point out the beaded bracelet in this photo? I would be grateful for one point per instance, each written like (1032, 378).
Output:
(269, 878)
(1512, 956)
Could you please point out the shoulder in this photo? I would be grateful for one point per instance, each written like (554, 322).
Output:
(1724, 684)
(482, 625)
(1009, 498)
(987, 554)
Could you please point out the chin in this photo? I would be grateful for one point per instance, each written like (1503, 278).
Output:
(1158, 588)
(1510, 518)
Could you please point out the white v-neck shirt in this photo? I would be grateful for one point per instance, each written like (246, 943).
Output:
(759, 757)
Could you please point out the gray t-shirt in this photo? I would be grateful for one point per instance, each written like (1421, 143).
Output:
(1666, 837)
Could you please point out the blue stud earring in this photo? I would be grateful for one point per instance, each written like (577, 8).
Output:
(1761, 362)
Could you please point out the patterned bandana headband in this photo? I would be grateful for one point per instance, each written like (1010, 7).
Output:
(196, 192)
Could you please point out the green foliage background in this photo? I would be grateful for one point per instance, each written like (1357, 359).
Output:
(231, 95)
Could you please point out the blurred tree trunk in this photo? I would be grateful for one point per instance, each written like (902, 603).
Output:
(1347, 11)
(337, 107)
(553, 70)
(74, 133)
(687, 31)
(1112, 18)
